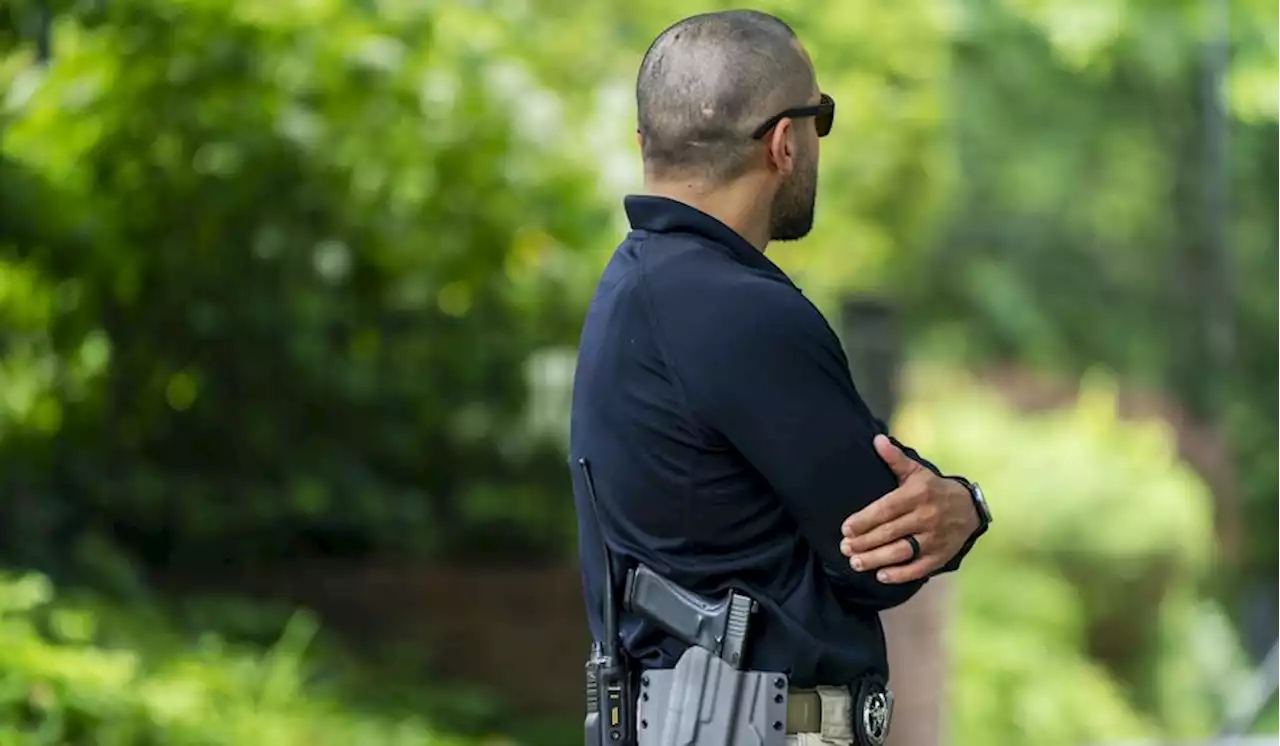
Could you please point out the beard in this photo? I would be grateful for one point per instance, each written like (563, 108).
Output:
(793, 206)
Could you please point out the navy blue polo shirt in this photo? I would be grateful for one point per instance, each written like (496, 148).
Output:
(727, 444)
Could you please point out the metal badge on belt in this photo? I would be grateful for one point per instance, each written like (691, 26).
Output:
(873, 710)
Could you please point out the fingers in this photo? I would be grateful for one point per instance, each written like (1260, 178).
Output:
(902, 465)
(921, 568)
(885, 533)
(893, 505)
(893, 553)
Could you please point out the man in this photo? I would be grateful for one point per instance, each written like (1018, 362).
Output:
(728, 445)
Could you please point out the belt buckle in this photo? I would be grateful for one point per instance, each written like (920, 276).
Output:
(875, 711)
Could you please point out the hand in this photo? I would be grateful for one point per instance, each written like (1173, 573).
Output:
(937, 511)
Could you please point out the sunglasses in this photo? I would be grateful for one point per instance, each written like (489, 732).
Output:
(823, 113)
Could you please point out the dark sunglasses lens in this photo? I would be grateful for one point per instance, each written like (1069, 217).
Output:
(826, 116)
(823, 121)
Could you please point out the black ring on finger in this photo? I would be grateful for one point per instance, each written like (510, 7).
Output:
(915, 548)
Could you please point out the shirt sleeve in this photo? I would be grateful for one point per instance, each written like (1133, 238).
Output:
(772, 378)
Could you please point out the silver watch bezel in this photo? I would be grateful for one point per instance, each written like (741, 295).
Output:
(980, 500)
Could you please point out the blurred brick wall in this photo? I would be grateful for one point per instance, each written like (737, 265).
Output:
(519, 632)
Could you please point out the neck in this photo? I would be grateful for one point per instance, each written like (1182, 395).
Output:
(737, 205)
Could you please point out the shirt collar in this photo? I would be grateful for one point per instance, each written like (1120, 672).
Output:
(665, 215)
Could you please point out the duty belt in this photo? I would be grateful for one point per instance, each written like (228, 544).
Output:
(860, 713)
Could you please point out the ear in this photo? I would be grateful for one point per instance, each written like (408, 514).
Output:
(781, 152)
(639, 139)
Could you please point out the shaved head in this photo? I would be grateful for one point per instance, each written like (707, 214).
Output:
(707, 83)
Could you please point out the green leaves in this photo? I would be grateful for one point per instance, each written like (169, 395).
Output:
(315, 233)
(1072, 607)
(135, 682)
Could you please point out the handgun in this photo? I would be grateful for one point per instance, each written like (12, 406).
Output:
(720, 627)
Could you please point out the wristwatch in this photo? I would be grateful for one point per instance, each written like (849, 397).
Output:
(980, 503)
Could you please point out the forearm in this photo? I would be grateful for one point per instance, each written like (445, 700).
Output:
(780, 394)
(869, 594)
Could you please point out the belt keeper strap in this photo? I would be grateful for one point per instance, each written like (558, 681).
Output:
(804, 711)
(837, 712)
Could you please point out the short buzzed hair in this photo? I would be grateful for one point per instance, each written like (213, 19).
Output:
(707, 83)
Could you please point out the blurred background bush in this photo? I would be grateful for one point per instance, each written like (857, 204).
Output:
(288, 299)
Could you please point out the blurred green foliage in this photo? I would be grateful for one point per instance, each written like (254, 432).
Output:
(1270, 721)
(1033, 181)
(269, 275)
(273, 277)
(1095, 222)
(71, 675)
(1069, 629)
(1087, 616)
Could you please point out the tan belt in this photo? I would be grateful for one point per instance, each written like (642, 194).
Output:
(805, 711)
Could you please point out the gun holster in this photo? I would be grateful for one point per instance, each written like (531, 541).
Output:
(704, 701)
(707, 699)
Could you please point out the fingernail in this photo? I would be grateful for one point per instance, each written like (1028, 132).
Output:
(846, 548)
(882, 576)
(857, 563)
